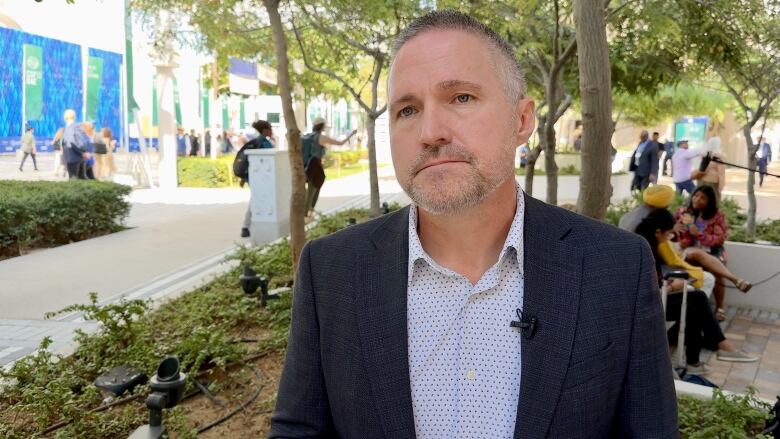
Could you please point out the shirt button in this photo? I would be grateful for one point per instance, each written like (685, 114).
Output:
(472, 375)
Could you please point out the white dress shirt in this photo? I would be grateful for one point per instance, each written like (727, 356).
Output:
(464, 358)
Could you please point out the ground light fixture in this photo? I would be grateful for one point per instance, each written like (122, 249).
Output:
(250, 282)
(167, 392)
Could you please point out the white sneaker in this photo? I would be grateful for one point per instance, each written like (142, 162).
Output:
(698, 369)
(737, 357)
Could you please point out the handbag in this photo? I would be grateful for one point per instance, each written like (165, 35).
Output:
(100, 148)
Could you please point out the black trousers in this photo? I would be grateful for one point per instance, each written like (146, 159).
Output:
(640, 182)
(77, 170)
(701, 328)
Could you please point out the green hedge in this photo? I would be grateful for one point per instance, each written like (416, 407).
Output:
(346, 158)
(43, 213)
(204, 172)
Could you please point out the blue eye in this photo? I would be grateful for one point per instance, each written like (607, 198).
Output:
(463, 98)
(406, 112)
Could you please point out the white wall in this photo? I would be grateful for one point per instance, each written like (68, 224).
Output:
(755, 263)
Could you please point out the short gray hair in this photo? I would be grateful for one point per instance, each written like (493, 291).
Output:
(504, 58)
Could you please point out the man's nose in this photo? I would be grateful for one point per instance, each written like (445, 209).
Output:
(435, 129)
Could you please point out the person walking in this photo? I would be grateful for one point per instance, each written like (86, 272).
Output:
(763, 157)
(109, 168)
(644, 162)
(682, 164)
(28, 147)
(59, 158)
(262, 140)
(315, 173)
(194, 143)
(75, 146)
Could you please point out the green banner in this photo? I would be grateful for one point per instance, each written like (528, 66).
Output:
(225, 117)
(94, 78)
(242, 114)
(176, 104)
(206, 108)
(131, 103)
(155, 118)
(33, 82)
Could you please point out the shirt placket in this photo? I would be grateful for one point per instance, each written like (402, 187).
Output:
(471, 370)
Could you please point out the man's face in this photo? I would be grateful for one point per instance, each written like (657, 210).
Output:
(643, 136)
(655, 137)
(684, 145)
(453, 130)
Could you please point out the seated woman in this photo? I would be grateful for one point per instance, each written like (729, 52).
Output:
(701, 329)
(701, 231)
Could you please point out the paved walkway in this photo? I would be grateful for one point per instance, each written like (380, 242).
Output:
(175, 240)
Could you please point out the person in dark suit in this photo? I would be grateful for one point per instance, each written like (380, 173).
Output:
(644, 162)
(476, 311)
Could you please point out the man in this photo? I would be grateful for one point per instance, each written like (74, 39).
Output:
(644, 162)
(182, 142)
(262, 140)
(28, 148)
(668, 148)
(763, 156)
(75, 147)
(194, 143)
(682, 165)
(477, 311)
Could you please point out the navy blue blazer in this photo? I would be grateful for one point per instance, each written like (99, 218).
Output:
(598, 365)
(648, 161)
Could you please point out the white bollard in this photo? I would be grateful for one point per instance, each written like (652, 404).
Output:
(269, 180)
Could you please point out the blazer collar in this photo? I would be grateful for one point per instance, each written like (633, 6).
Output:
(381, 312)
(553, 271)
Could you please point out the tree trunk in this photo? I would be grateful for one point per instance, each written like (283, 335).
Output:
(750, 227)
(596, 98)
(372, 166)
(298, 195)
(547, 137)
(530, 171)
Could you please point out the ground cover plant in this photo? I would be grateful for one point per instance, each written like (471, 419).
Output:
(223, 339)
(35, 214)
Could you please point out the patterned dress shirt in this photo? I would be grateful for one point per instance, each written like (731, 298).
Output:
(464, 358)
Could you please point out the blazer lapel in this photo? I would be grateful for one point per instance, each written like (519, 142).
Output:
(551, 294)
(381, 310)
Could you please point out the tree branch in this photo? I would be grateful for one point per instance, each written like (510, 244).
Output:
(326, 72)
(564, 105)
(565, 56)
(347, 39)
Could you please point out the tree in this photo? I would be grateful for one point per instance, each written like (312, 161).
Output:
(739, 41)
(298, 195)
(336, 38)
(233, 27)
(596, 95)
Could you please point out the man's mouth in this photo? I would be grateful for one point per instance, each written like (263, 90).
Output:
(438, 163)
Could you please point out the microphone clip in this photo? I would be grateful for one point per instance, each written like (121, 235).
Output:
(527, 326)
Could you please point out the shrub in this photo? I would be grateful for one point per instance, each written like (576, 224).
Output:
(733, 416)
(204, 172)
(43, 213)
(345, 158)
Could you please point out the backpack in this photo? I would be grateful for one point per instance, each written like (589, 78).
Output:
(241, 162)
(307, 148)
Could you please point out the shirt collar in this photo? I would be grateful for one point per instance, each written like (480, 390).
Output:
(514, 239)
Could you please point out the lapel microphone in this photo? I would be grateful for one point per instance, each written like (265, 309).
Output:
(527, 326)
